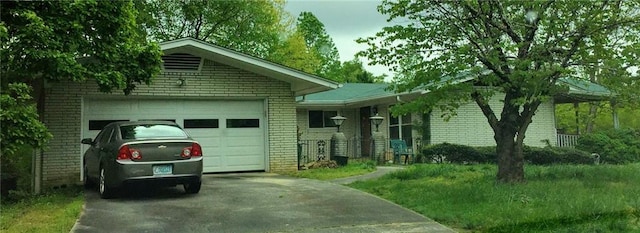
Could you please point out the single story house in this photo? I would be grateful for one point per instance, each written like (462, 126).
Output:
(360, 101)
(241, 108)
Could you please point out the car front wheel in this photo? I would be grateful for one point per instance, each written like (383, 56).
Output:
(192, 187)
(105, 191)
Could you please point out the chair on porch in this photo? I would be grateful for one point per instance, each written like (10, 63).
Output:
(400, 149)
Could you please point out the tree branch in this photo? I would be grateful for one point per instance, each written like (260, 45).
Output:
(486, 110)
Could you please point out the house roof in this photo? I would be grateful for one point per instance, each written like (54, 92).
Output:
(355, 94)
(583, 91)
(301, 83)
(350, 94)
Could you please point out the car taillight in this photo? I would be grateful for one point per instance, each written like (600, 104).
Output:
(127, 152)
(192, 151)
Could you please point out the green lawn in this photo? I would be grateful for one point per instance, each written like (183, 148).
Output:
(560, 198)
(56, 211)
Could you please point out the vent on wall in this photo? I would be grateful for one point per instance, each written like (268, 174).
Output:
(181, 62)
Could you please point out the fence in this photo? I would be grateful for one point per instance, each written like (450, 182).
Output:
(567, 140)
(357, 148)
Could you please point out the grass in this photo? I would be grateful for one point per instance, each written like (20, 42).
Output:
(559, 198)
(56, 211)
(353, 168)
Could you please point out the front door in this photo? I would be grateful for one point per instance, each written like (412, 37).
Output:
(365, 131)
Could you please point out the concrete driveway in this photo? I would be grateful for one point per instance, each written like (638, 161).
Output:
(253, 202)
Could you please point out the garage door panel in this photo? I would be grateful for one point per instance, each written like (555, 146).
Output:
(225, 149)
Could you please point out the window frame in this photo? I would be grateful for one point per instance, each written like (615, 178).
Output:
(402, 123)
(326, 119)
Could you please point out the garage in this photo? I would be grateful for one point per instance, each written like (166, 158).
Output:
(232, 133)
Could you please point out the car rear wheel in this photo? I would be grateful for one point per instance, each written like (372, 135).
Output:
(105, 191)
(192, 187)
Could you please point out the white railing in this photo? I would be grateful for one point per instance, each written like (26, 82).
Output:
(567, 140)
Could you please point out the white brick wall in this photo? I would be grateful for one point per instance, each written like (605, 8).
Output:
(470, 126)
(63, 111)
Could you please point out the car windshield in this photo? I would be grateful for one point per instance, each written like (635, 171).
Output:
(151, 131)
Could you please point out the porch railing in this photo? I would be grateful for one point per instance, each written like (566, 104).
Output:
(567, 140)
(357, 148)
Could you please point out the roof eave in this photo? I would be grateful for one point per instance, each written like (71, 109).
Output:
(301, 82)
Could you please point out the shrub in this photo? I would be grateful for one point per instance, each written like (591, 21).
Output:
(461, 154)
(556, 155)
(454, 153)
(614, 146)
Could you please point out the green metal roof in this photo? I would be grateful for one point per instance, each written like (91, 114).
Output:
(579, 90)
(351, 91)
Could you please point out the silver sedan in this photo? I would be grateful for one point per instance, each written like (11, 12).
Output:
(142, 151)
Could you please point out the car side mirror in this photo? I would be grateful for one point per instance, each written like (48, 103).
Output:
(87, 141)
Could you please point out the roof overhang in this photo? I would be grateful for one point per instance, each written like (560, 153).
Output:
(360, 102)
(301, 83)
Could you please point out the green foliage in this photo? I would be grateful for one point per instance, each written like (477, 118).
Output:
(613, 146)
(603, 119)
(454, 153)
(556, 198)
(20, 123)
(252, 27)
(63, 40)
(294, 53)
(16, 168)
(317, 39)
(519, 48)
(461, 154)
(353, 71)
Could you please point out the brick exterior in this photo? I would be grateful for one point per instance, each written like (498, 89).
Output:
(63, 113)
(470, 126)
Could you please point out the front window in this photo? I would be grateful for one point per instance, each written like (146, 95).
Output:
(150, 131)
(400, 128)
(321, 119)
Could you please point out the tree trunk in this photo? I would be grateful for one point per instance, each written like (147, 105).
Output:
(510, 158)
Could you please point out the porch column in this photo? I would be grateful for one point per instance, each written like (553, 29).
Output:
(379, 145)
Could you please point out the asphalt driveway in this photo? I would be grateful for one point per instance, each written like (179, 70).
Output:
(254, 202)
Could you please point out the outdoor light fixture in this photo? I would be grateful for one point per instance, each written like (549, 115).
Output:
(337, 120)
(181, 82)
(376, 120)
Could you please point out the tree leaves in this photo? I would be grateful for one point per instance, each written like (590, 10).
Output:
(526, 46)
(19, 120)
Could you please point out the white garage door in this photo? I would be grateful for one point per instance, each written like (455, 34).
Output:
(231, 133)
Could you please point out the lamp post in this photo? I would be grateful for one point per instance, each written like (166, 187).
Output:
(339, 143)
(378, 140)
(376, 120)
(337, 120)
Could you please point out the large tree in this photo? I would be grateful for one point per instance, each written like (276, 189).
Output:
(252, 27)
(318, 40)
(51, 41)
(517, 48)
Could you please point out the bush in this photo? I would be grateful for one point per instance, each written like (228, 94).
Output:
(556, 155)
(461, 154)
(454, 153)
(16, 174)
(613, 146)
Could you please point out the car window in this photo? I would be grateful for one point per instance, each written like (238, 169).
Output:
(147, 131)
(104, 138)
(114, 136)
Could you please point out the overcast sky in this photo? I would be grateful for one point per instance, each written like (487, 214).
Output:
(345, 21)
